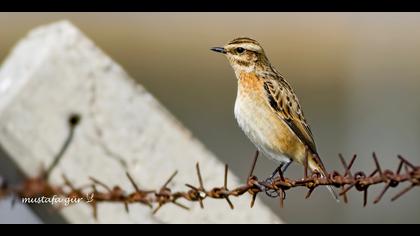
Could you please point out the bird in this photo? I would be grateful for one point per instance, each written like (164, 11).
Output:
(268, 110)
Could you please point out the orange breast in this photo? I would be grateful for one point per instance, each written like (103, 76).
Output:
(261, 124)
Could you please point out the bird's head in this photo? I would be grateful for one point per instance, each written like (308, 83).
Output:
(244, 54)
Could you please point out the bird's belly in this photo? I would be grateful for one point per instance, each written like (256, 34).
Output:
(264, 128)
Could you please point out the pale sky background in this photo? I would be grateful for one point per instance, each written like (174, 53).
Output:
(357, 76)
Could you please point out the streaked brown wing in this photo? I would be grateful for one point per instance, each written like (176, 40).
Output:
(286, 105)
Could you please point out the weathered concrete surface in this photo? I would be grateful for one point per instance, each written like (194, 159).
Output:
(56, 71)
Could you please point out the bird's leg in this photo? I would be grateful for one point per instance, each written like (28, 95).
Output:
(286, 166)
(276, 171)
(272, 192)
(279, 170)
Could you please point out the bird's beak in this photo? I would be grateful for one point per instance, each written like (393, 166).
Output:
(219, 49)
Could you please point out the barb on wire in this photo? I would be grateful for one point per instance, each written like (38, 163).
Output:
(97, 192)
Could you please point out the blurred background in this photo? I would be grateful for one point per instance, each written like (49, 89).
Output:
(357, 76)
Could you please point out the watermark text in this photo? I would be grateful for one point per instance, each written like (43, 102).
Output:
(58, 200)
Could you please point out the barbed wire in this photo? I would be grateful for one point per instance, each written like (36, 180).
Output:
(96, 192)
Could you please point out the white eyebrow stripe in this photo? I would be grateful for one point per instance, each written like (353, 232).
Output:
(249, 46)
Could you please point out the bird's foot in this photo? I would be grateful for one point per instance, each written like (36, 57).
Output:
(265, 186)
(271, 192)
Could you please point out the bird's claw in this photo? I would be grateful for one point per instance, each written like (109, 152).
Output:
(261, 187)
(271, 192)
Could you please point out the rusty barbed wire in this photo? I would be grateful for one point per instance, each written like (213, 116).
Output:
(39, 186)
(156, 199)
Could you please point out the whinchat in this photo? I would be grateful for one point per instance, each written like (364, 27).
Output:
(268, 110)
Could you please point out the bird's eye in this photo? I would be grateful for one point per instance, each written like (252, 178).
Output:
(240, 50)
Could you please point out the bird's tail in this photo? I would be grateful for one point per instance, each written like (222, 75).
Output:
(315, 164)
(333, 193)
